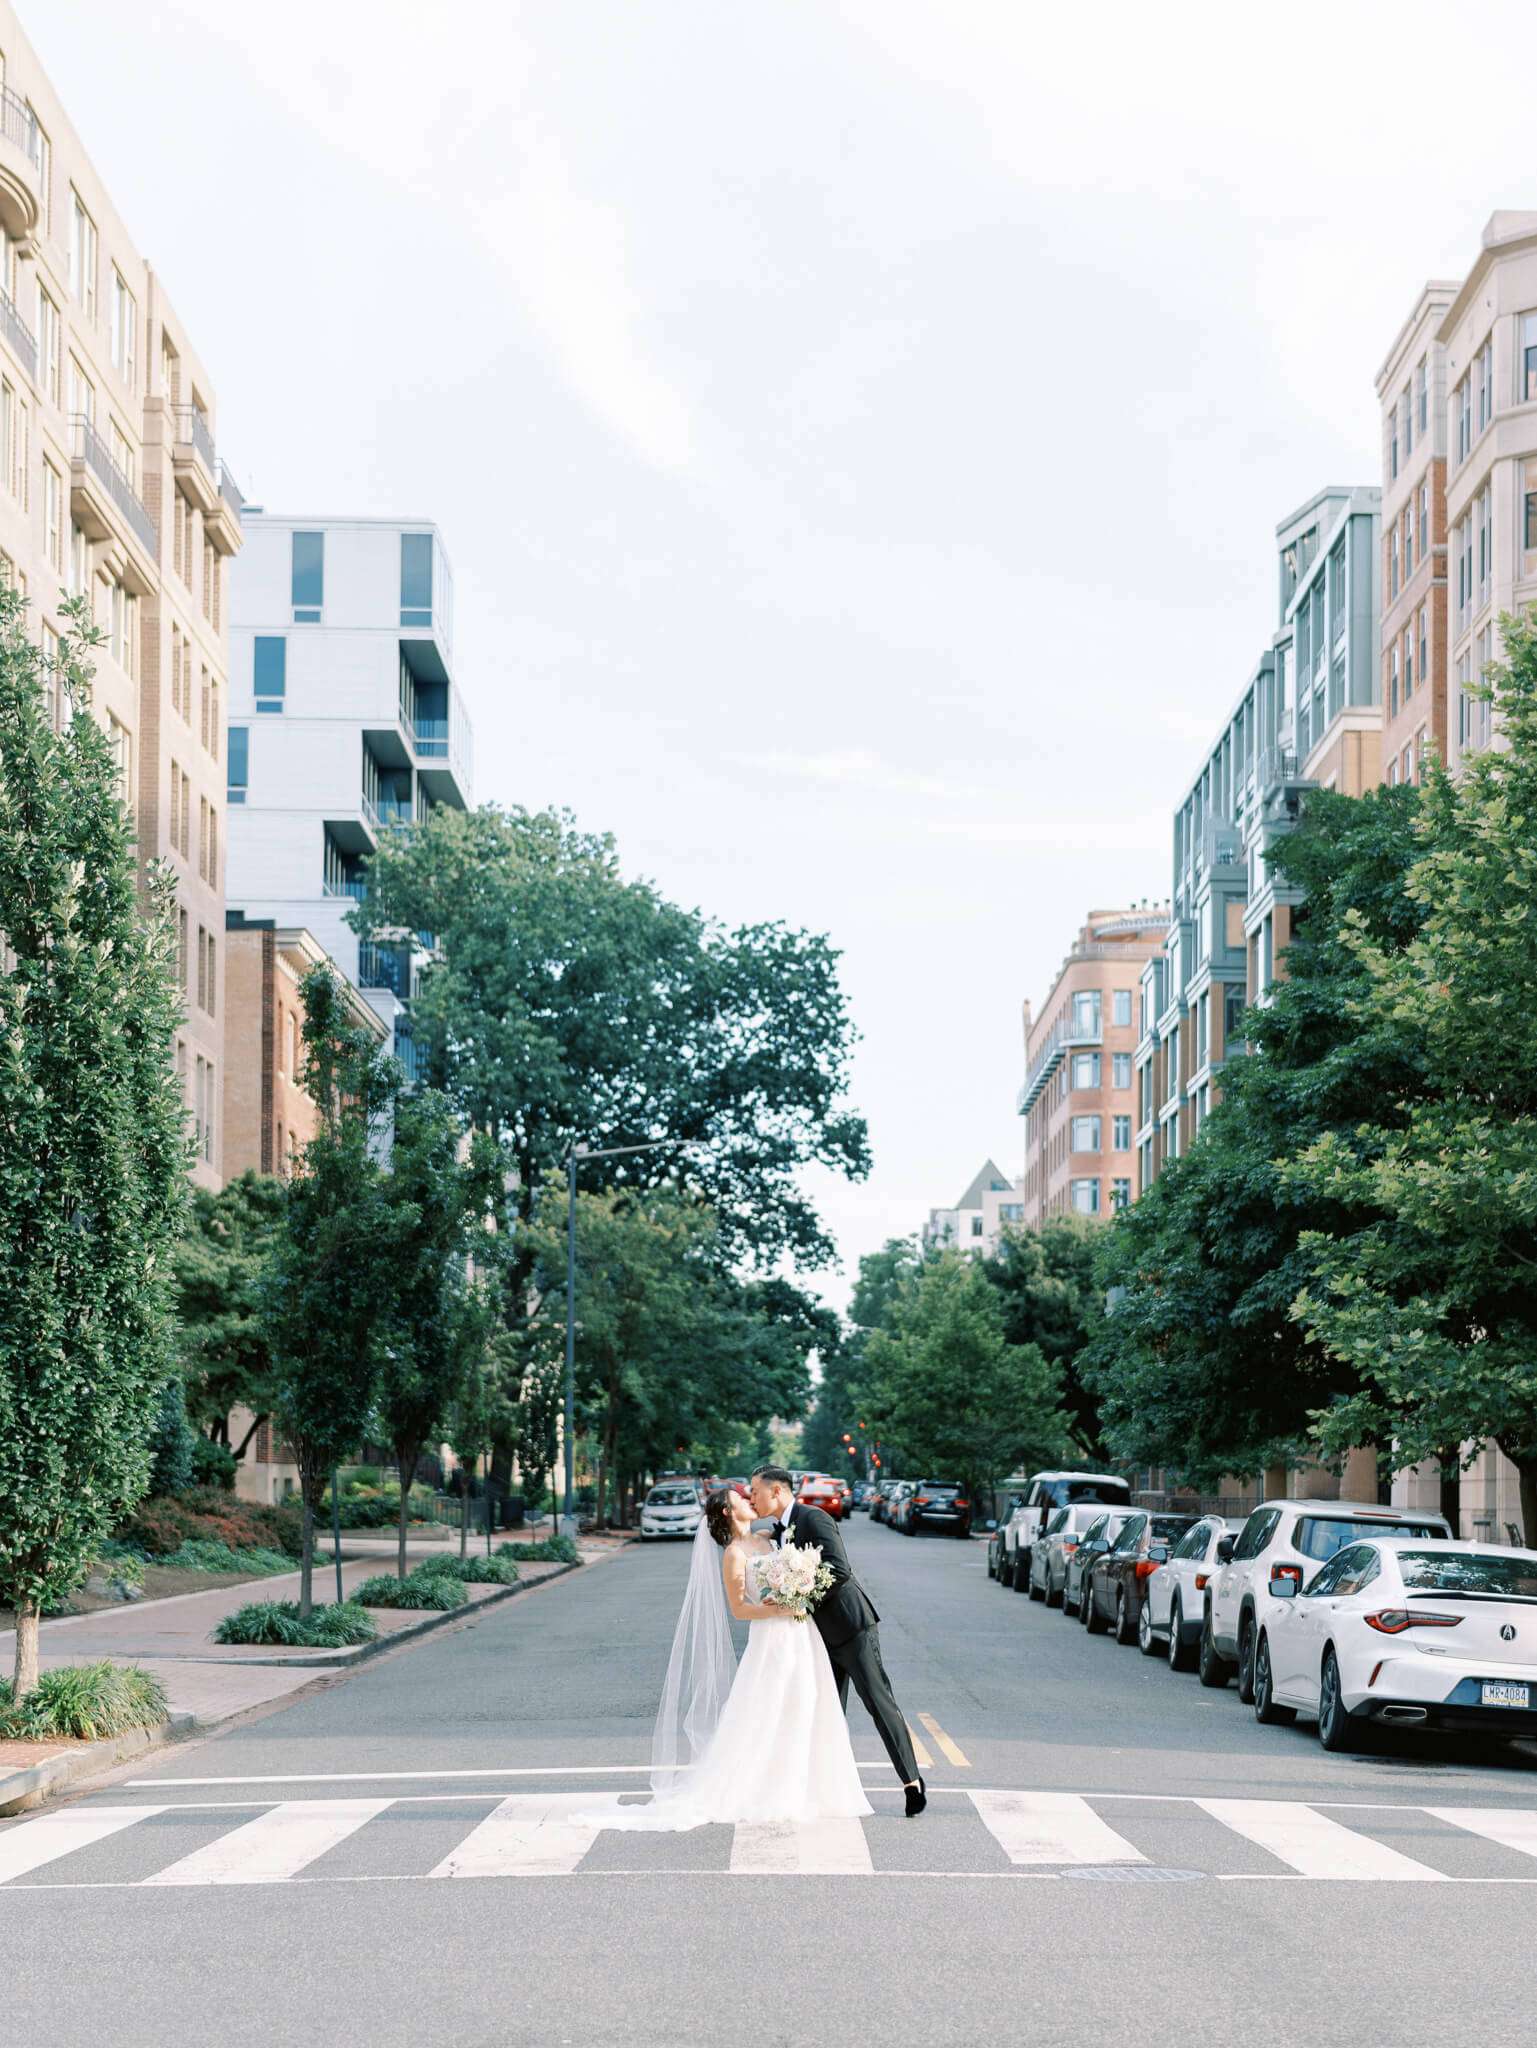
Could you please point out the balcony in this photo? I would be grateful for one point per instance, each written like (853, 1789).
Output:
(338, 885)
(21, 160)
(19, 335)
(429, 736)
(1065, 1037)
(193, 457)
(105, 506)
(383, 811)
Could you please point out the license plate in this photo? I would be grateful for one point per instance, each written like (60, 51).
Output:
(1499, 1693)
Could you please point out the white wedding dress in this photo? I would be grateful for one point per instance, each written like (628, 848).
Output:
(780, 1750)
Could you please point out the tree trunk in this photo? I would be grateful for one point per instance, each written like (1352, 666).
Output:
(307, 1564)
(1527, 1468)
(464, 1509)
(610, 1443)
(406, 1456)
(26, 1649)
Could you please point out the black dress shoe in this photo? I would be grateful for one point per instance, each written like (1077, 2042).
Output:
(917, 1799)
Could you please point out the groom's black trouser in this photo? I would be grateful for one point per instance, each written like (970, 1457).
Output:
(859, 1660)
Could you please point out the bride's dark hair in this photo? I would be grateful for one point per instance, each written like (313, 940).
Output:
(717, 1513)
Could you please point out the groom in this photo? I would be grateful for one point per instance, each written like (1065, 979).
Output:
(845, 1618)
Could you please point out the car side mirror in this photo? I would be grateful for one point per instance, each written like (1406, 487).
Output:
(1284, 1589)
(1159, 1554)
(1225, 1548)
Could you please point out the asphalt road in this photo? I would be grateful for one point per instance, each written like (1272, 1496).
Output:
(282, 1881)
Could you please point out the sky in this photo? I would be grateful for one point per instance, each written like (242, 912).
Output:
(858, 429)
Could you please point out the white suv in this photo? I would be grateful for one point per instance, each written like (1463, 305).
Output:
(1047, 1492)
(1284, 1540)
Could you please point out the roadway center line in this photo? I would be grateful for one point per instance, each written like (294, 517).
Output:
(946, 1747)
(920, 1755)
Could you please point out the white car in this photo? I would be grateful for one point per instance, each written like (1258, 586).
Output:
(1047, 1492)
(1406, 1633)
(1169, 1619)
(1283, 1543)
(1053, 1550)
(674, 1509)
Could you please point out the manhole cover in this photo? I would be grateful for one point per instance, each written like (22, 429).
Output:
(1131, 1873)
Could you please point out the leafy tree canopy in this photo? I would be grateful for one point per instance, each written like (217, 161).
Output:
(218, 1268)
(1045, 1279)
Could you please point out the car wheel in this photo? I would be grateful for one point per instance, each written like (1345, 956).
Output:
(1038, 1591)
(1336, 1729)
(1147, 1642)
(1246, 1660)
(992, 1564)
(1125, 1628)
(1212, 1668)
(1179, 1650)
(1052, 1596)
(1024, 1571)
(1265, 1708)
(1005, 1570)
(1093, 1620)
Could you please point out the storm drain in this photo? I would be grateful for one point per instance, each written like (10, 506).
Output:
(1131, 1873)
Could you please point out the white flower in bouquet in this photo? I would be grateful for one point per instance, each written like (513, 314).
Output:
(794, 1578)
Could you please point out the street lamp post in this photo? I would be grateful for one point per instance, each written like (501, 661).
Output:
(568, 1519)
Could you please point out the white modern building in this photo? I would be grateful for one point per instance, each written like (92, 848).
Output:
(344, 720)
(977, 1220)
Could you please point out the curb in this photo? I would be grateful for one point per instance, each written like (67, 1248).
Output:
(20, 1790)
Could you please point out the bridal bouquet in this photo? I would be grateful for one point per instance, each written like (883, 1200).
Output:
(794, 1578)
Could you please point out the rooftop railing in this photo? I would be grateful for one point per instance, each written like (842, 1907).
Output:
(93, 451)
(1064, 1038)
(18, 334)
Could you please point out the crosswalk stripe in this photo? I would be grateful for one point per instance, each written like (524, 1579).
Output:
(1311, 1843)
(823, 1848)
(530, 1834)
(52, 1835)
(1511, 1827)
(1051, 1827)
(276, 1845)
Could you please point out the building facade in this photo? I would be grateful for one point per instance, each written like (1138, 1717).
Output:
(977, 1220)
(345, 720)
(112, 490)
(1078, 1101)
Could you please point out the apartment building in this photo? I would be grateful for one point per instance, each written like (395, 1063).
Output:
(1412, 393)
(111, 489)
(977, 1220)
(1489, 335)
(1306, 718)
(1078, 1100)
(345, 721)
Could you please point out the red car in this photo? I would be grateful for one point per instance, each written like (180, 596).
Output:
(818, 1491)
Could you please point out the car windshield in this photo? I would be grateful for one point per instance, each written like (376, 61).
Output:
(671, 1497)
(1065, 1490)
(1169, 1528)
(1321, 1536)
(1447, 1571)
(939, 1486)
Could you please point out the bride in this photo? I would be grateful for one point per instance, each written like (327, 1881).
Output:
(765, 1740)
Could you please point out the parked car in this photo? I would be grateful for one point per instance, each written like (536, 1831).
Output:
(880, 1499)
(817, 1490)
(938, 1504)
(1053, 1550)
(1095, 1540)
(1116, 1580)
(1170, 1616)
(1369, 1641)
(1284, 1542)
(995, 1541)
(896, 1505)
(864, 1494)
(673, 1509)
(1047, 1491)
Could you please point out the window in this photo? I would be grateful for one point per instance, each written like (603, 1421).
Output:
(202, 838)
(125, 315)
(1084, 1197)
(186, 817)
(1529, 521)
(976, 1221)
(1393, 681)
(1120, 1070)
(1120, 1133)
(170, 370)
(1408, 663)
(1462, 409)
(79, 561)
(213, 718)
(1529, 358)
(309, 576)
(1392, 448)
(1120, 1195)
(1085, 1133)
(1424, 521)
(1086, 1069)
(1483, 377)
(239, 772)
(1325, 1536)
(1422, 398)
(1464, 571)
(202, 967)
(1257, 1532)
(1011, 1212)
(1086, 1013)
(48, 345)
(1407, 408)
(121, 742)
(1485, 543)
(213, 858)
(1120, 1010)
(1393, 562)
(209, 559)
(183, 949)
(416, 579)
(82, 256)
(271, 672)
(53, 517)
(1424, 644)
(1408, 540)
(205, 700)
(123, 636)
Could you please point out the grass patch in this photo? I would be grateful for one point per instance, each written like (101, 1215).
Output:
(206, 1555)
(470, 1571)
(426, 1590)
(84, 1702)
(554, 1550)
(280, 1622)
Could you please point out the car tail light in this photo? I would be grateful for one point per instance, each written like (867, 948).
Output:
(923, 1501)
(959, 1503)
(1068, 1549)
(1392, 1621)
(1287, 1571)
(1145, 1567)
(1373, 1679)
(1201, 1581)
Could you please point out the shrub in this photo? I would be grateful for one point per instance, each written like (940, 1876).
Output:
(471, 1571)
(370, 1513)
(201, 1555)
(554, 1550)
(115, 1560)
(213, 1465)
(279, 1621)
(432, 1589)
(171, 1442)
(85, 1702)
(159, 1526)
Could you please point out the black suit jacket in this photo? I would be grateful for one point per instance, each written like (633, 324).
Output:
(846, 1608)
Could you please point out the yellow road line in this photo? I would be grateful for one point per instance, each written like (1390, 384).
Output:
(942, 1741)
(925, 1761)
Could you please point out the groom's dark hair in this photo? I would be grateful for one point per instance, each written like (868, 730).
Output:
(776, 1475)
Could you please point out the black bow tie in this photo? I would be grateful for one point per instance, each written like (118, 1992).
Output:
(779, 1530)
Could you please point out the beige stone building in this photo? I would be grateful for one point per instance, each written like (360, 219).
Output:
(1078, 1100)
(111, 489)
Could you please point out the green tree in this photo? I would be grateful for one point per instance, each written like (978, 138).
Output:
(218, 1270)
(329, 1287)
(1431, 1302)
(1199, 1366)
(94, 1148)
(1045, 1278)
(946, 1384)
(838, 1411)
